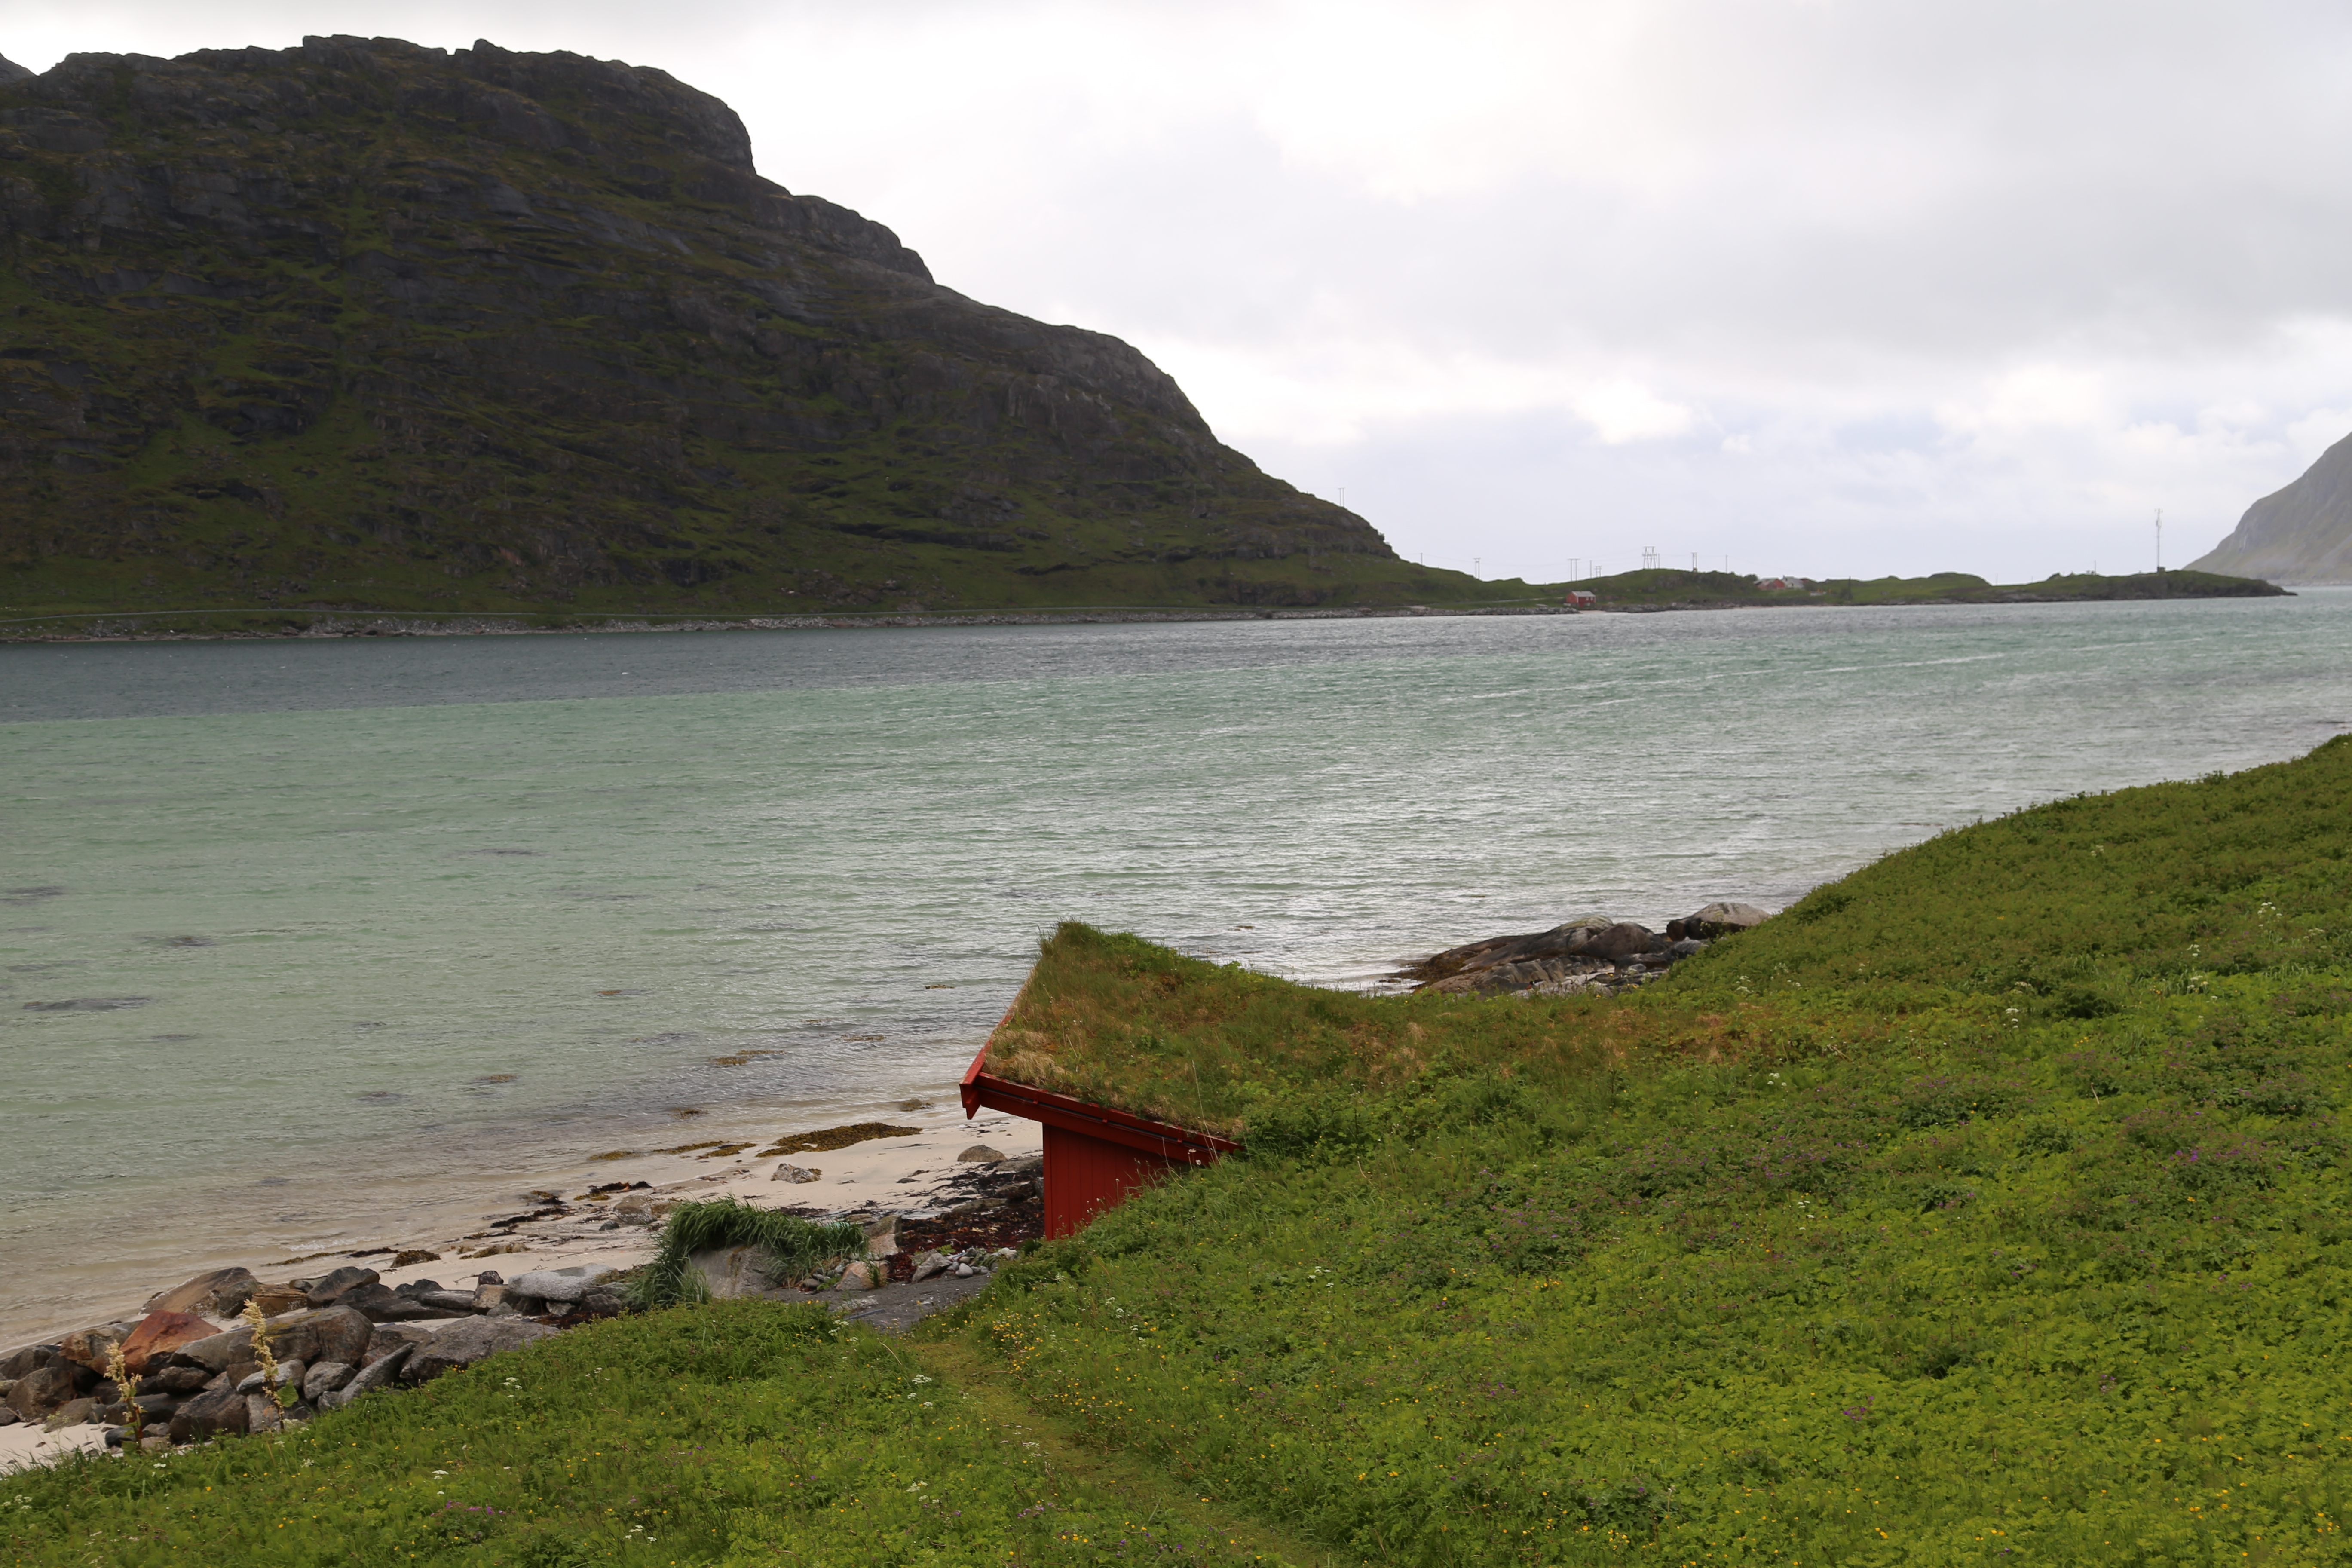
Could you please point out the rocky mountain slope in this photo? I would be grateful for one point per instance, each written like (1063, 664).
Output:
(365, 324)
(2300, 534)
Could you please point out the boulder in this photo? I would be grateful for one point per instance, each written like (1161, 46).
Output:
(882, 1237)
(93, 1348)
(79, 1412)
(24, 1359)
(330, 1333)
(785, 1172)
(1717, 920)
(154, 1410)
(462, 1344)
(221, 1293)
(982, 1151)
(8, 1416)
(377, 1374)
(44, 1389)
(277, 1300)
(1561, 940)
(561, 1284)
(178, 1378)
(456, 1303)
(727, 1271)
(161, 1332)
(929, 1264)
(604, 1302)
(326, 1377)
(1620, 942)
(391, 1337)
(382, 1305)
(208, 1414)
(329, 1290)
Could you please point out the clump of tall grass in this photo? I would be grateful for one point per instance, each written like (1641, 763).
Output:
(792, 1247)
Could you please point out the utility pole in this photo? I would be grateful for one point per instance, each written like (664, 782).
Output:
(1649, 558)
(2160, 538)
(1476, 565)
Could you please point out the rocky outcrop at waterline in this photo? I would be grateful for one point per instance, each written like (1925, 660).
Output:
(1593, 955)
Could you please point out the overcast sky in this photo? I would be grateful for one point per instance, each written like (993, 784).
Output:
(1829, 287)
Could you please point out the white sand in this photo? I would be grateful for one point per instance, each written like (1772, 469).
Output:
(886, 1174)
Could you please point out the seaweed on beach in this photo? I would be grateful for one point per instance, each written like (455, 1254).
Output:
(793, 1246)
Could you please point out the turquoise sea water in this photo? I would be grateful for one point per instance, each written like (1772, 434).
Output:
(300, 939)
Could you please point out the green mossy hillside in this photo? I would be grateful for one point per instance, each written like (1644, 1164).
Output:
(366, 326)
(741, 1434)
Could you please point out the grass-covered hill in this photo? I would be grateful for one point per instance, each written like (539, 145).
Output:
(366, 325)
(1667, 588)
(1988, 1206)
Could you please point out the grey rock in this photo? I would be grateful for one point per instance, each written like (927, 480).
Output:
(377, 1374)
(928, 1265)
(44, 1389)
(209, 1415)
(24, 1358)
(390, 1337)
(604, 1302)
(11, 71)
(331, 1333)
(328, 1289)
(489, 1277)
(79, 1412)
(219, 1293)
(175, 1379)
(326, 1377)
(263, 1412)
(463, 1344)
(457, 1301)
(1620, 941)
(788, 1172)
(1722, 918)
(980, 1152)
(561, 1284)
(8, 1416)
(731, 1271)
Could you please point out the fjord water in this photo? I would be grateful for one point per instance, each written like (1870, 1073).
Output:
(305, 942)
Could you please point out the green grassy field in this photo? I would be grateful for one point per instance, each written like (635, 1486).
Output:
(1985, 1208)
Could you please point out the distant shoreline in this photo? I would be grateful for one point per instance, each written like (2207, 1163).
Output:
(107, 627)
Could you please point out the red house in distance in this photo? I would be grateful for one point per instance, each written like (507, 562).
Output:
(1094, 1155)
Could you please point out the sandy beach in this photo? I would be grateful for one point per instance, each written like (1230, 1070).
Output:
(909, 1175)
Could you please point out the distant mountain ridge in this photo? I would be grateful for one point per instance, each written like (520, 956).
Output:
(362, 324)
(2299, 534)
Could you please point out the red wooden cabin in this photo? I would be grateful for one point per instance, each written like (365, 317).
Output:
(1094, 1155)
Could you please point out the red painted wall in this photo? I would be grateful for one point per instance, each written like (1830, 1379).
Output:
(1086, 1175)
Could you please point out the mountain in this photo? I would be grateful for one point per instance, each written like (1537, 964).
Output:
(371, 325)
(2300, 534)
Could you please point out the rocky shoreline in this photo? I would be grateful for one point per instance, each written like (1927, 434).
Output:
(1593, 955)
(380, 1318)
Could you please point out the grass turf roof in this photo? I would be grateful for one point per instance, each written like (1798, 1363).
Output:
(2069, 909)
